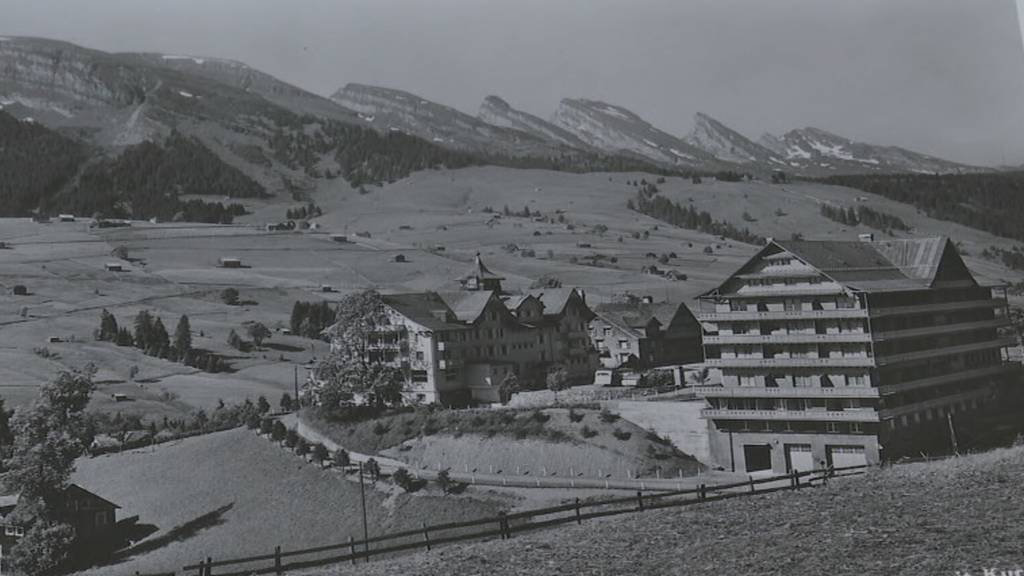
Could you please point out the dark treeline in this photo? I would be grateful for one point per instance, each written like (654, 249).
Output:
(1012, 259)
(310, 318)
(151, 336)
(690, 218)
(993, 202)
(864, 215)
(310, 210)
(34, 163)
(146, 180)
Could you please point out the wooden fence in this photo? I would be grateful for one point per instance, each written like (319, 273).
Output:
(505, 525)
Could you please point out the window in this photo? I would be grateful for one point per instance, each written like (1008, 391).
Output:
(101, 519)
(832, 427)
(16, 531)
(856, 428)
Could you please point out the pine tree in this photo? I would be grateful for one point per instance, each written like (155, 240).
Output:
(183, 337)
(143, 330)
(108, 326)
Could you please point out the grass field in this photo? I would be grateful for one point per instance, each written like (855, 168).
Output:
(514, 442)
(936, 518)
(174, 268)
(232, 494)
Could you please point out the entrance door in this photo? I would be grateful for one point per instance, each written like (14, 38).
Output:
(757, 456)
(799, 457)
(841, 456)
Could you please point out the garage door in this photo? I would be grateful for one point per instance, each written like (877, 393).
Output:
(799, 457)
(758, 457)
(840, 456)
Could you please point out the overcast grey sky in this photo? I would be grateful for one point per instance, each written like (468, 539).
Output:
(939, 76)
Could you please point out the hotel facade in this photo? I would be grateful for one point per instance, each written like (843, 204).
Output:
(845, 353)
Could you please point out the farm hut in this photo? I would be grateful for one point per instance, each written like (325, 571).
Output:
(41, 219)
(230, 263)
(53, 340)
(400, 258)
(119, 397)
(114, 267)
(20, 290)
(66, 217)
(340, 238)
(326, 288)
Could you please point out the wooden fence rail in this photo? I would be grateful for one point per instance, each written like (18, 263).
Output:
(505, 525)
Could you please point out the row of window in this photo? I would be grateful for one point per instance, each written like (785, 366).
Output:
(794, 427)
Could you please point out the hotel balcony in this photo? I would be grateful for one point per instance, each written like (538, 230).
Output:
(939, 352)
(944, 307)
(791, 338)
(746, 315)
(785, 392)
(853, 415)
(898, 411)
(846, 361)
(966, 375)
(944, 329)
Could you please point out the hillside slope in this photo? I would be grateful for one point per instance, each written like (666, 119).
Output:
(941, 518)
(231, 494)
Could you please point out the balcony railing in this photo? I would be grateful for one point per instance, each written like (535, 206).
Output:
(1002, 368)
(846, 361)
(898, 411)
(746, 315)
(786, 392)
(792, 338)
(939, 352)
(853, 415)
(943, 307)
(943, 329)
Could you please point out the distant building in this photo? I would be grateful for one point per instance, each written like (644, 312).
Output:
(230, 263)
(20, 290)
(458, 348)
(846, 353)
(114, 267)
(479, 277)
(66, 217)
(643, 334)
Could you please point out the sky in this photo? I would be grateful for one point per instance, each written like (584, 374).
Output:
(944, 77)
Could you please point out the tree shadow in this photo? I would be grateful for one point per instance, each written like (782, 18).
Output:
(179, 533)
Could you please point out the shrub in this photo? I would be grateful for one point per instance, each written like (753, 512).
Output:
(291, 438)
(622, 434)
(607, 416)
(320, 453)
(588, 432)
(539, 416)
(380, 428)
(301, 447)
(278, 431)
(406, 481)
(266, 426)
(229, 296)
(341, 458)
(575, 416)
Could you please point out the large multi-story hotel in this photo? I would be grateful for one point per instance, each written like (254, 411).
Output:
(844, 353)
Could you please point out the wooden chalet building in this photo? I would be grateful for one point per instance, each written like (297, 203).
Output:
(644, 334)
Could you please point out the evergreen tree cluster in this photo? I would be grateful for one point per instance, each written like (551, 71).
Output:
(196, 210)
(1012, 259)
(310, 318)
(993, 201)
(151, 336)
(35, 163)
(864, 215)
(690, 218)
(310, 210)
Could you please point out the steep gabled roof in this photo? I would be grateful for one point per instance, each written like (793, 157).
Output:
(553, 299)
(636, 317)
(427, 309)
(888, 265)
(468, 306)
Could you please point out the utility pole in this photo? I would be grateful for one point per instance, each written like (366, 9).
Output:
(362, 494)
(297, 385)
(952, 432)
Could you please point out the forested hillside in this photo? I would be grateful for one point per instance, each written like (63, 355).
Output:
(146, 180)
(35, 162)
(993, 202)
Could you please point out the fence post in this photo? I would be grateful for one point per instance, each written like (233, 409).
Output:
(277, 560)
(426, 536)
(352, 547)
(501, 524)
(209, 566)
(752, 490)
(795, 480)
(579, 520)
(640, 500)
(702, 492)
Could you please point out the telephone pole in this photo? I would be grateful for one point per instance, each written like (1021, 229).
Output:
(366, 531)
